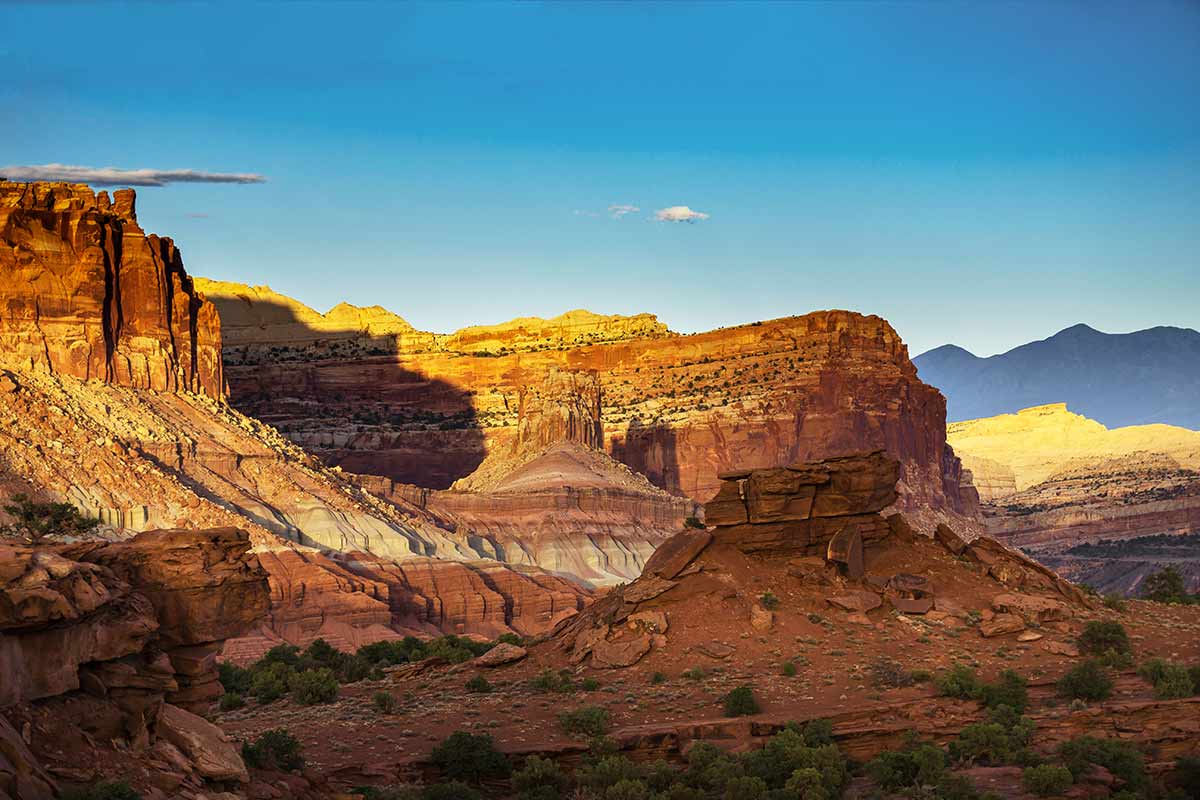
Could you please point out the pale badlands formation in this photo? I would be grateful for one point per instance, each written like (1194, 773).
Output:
(853, 594)
(109, 657)
(1054, 480)
(678, 409)
(119, 410)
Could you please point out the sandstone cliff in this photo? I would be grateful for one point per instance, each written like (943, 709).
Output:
(678, 409)
(85, 292)
(1056, 481)
(108, 652)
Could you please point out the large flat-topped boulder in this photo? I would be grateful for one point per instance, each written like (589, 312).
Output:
(802, 507)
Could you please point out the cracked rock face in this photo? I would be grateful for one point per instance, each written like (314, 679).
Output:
(85, 292)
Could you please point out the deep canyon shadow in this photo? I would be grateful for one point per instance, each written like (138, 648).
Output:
(651, 448)
(348, 398)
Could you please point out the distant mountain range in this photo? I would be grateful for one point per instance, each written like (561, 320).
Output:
(1116, 378)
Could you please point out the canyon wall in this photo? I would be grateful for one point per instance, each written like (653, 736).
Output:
(1089, 500)
(85, 292)
(679, 409)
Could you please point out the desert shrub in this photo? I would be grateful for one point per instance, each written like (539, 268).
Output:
(740, 702)
(1153, 670)
(1002, 739)
(789, 751)
(589, 684)
(107, 790)
(1187, 775)
(658, 677)
(916, 765)
(479, 685)
(693, 522)
(454, 649)
(33, 522)
(1101, 636)
(1122, 759)
(540, 779)
(603, 770)
(230, 700)
(270, 681)
(470, 757)
(509, 638)
(455, 790)
(384, 702)
(234, 678)
(588, 721)
(1009, 690)
(1086, 681)
(769, 601)
(1166, 586)
(817, 732)
(314, 686)
(274, 749)
(550, 681)
(1176, 682)
(960, 681)
(627, 790)
(286, 654)
(1114, 601)
(887, 673)
(745, 787)
(789, 669)
(695, 674)
(1047, 780)
(921, 676)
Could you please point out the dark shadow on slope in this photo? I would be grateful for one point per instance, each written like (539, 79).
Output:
(649, 447)
(347, 397)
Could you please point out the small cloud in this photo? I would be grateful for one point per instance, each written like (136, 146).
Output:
(620, 210)
(679, 214)
(115, 176)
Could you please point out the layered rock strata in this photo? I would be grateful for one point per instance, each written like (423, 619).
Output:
(121, 640)
(679, 409)
(85, 292)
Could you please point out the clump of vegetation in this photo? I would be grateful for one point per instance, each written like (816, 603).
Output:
(1175, 682)
(1010, 690)
(589, 721)
(449, 648)
(1187, 775)
(540, 779)
(479, 685)
(740, 702)
(1086, 681)
(230, 700)
(693, 522)
(914, 766)
(959, 681)
(1003, 739)
(1123, 759)
(1047, 780)
(313, 686)
(887, 673)
(769, 601)
(589, 684)
(1101, 637)
(384, 702)
(1116, 602)
(471, 758)
(789, 669)
(658, 677)
(550, 681)
(695, 674)
(274, 749)
(1167, 586)
(33, 522)
(106, 790)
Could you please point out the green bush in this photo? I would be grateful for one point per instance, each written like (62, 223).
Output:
(960, 682)
(590, 721)
(107, 790)
(314, 686)
(1166, 586)
(270, 680)
(384, 702)
(1115, 602)
(1187, 775)
(627, 790)
(916, 765)
(234, 678)
(921, 676)
(1003, 739)
(658, 677)
(1047, 780)
(1120, 758)
(549, 681)
(769, 601)
(695, 674)
(740, 702)
(589, 684)
(1101, 636)
(1153, 670)
(540, 779)
(1176, 682)
(479, 685)
(230, 700)
(1086, 681)
(887, 673)
(274, 749)
(789, 669)
(470, 757)
(33, 522)
(745, 787)
(1010, 690)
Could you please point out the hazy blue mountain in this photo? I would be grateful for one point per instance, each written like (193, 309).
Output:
(1115, 378)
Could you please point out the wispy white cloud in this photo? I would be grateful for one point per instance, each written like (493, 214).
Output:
(116, 176)
(679, 214)
(619, 210)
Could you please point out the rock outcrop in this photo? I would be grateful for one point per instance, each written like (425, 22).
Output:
(117, 642)
(85, 292)
(810, 535)
(1093, 502)
(679, 409)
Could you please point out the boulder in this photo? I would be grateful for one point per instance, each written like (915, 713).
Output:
(846, 548)
(909, 605)
(860, 601)
(621, 653)
(645, 588)
(1001, 625)
(212, 754)
(503, 653)
(761, 619)
(1033, 608)
(676, 553)
(949, 539)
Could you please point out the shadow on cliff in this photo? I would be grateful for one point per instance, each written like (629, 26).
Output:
(650, 447)
(348, 398)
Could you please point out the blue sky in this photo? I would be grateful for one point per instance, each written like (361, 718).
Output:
(983, 173)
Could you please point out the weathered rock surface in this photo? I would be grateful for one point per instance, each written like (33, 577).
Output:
(103, 634)
(679, 409)
(85, 292)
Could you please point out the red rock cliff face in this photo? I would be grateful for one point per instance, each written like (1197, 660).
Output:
(85, 292)
(679, 409)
